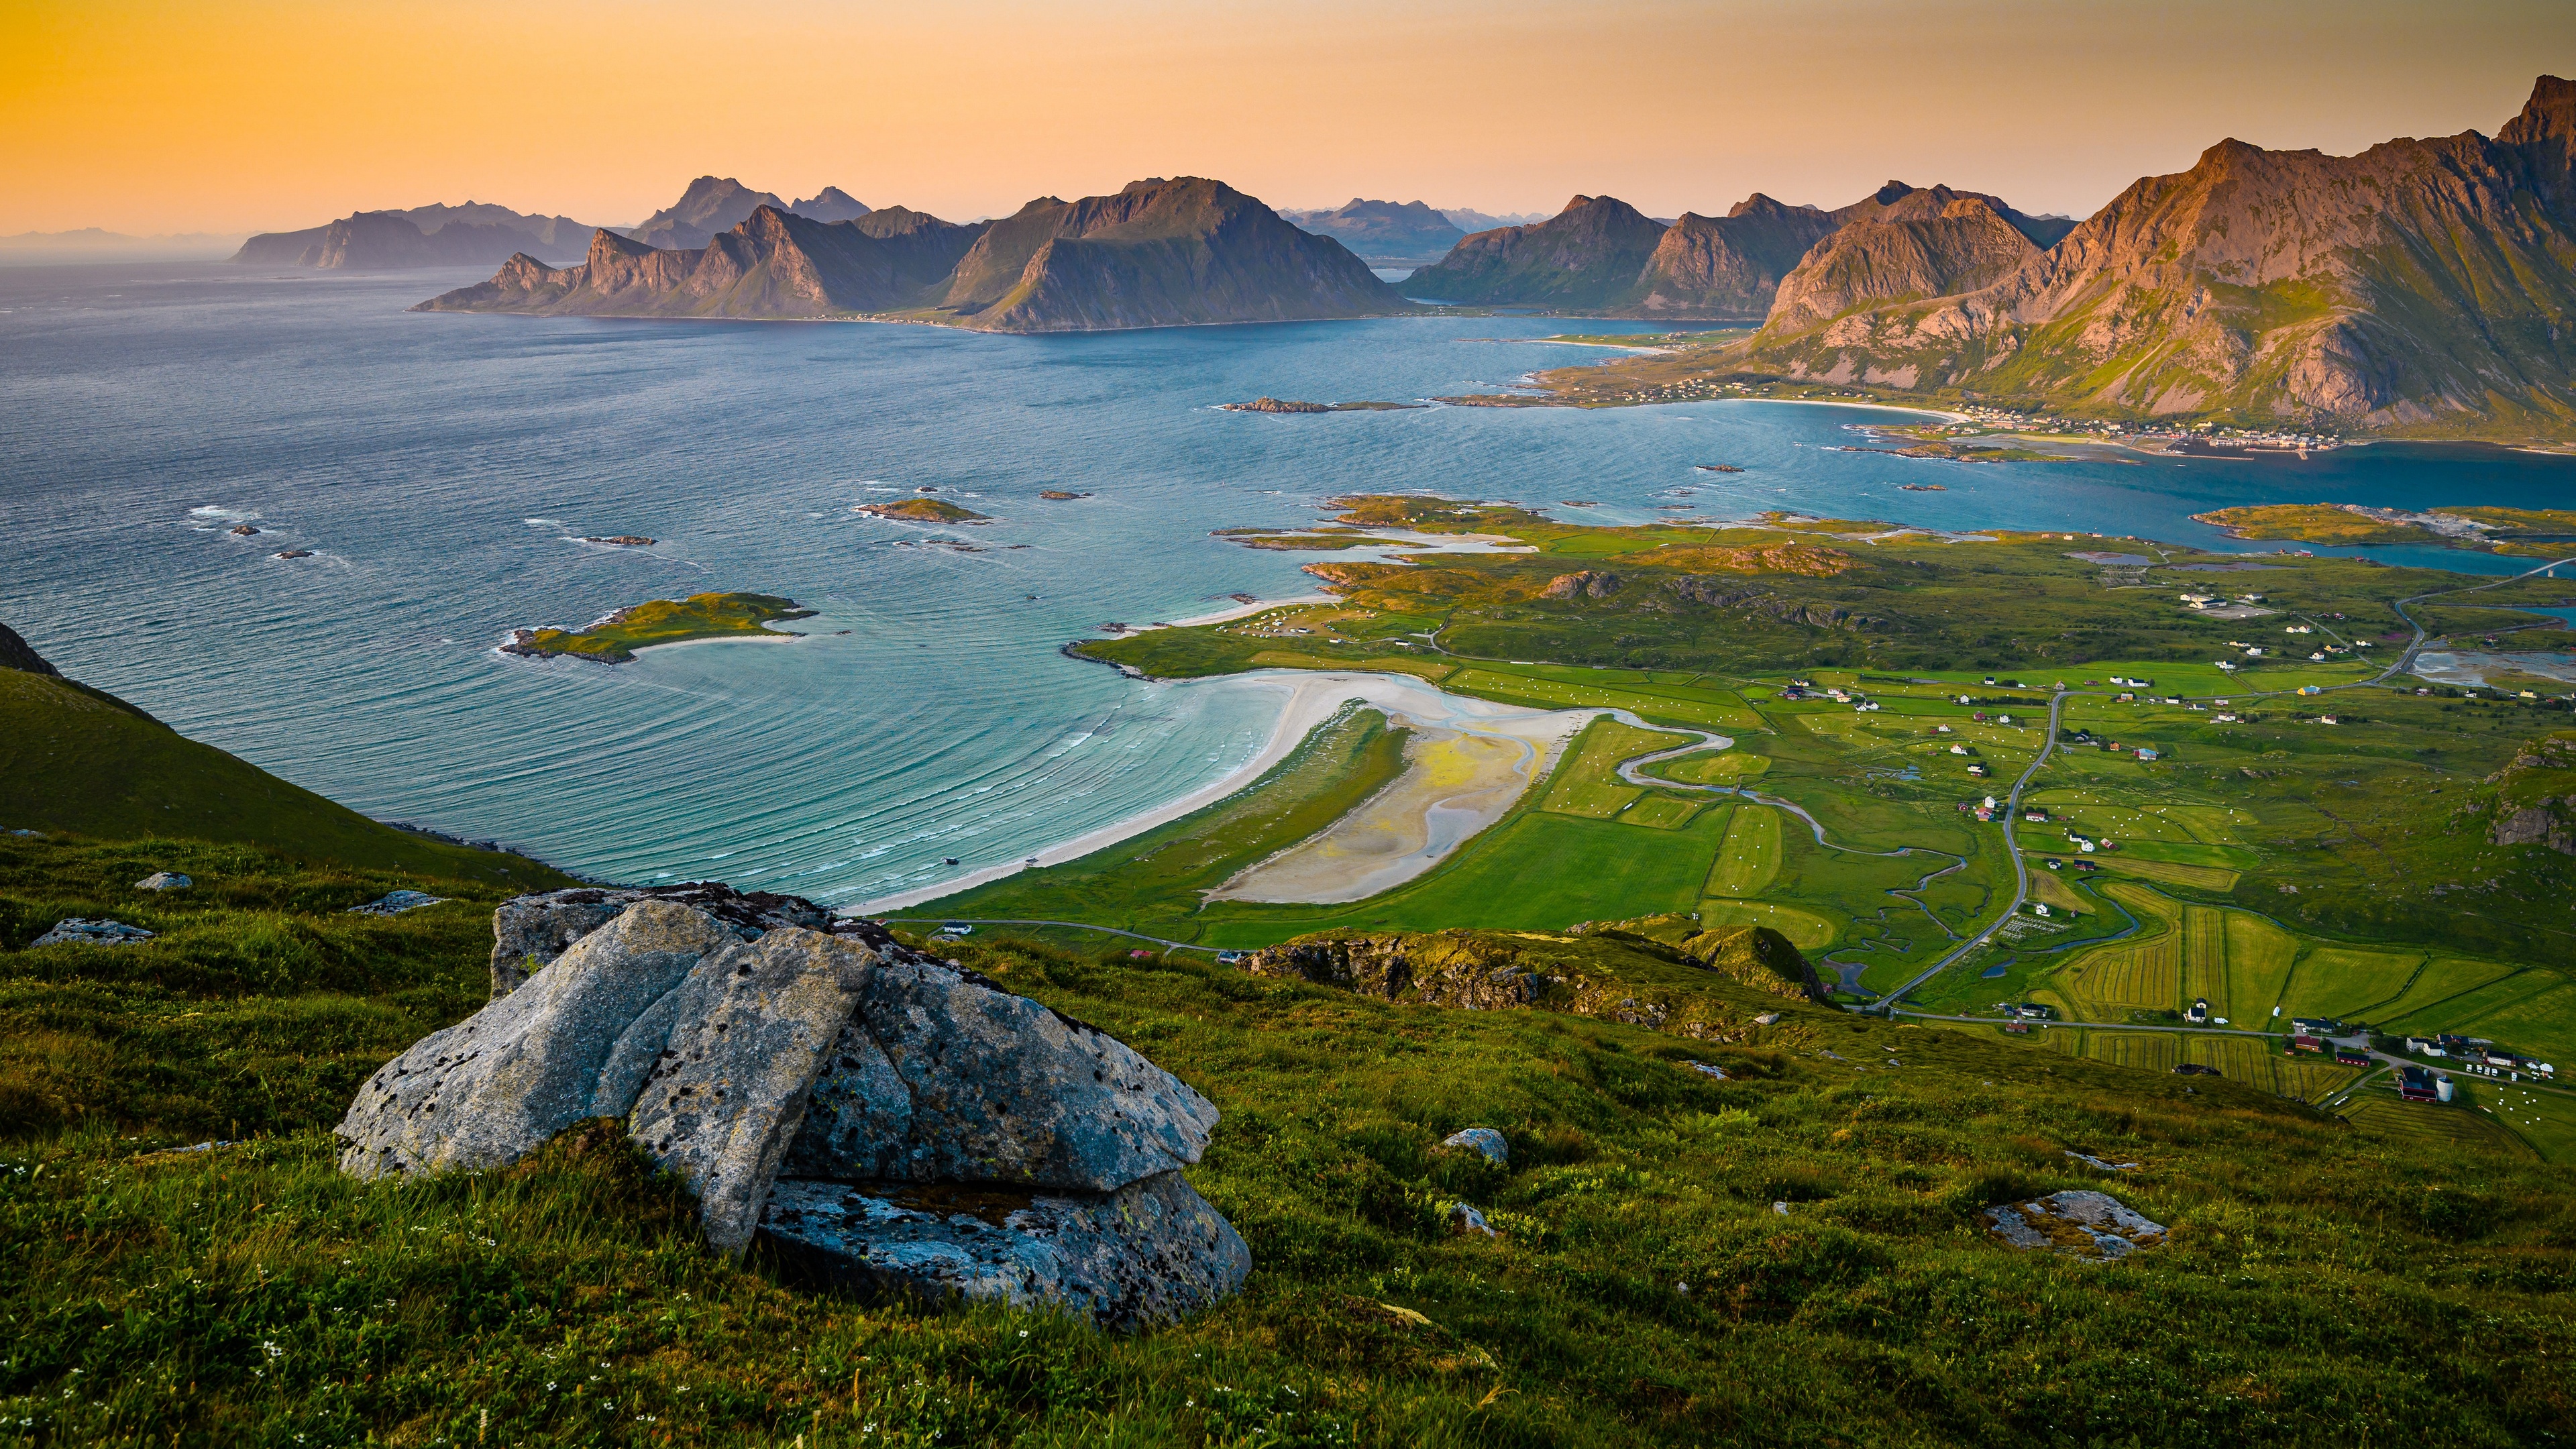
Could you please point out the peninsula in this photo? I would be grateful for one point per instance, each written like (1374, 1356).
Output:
(614, 638)
(2529, 532)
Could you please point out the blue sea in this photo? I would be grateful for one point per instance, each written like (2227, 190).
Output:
(443, 469)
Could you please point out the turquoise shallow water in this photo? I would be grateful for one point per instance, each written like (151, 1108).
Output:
(443, 467)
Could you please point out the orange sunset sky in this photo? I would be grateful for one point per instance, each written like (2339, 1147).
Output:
(149, 117)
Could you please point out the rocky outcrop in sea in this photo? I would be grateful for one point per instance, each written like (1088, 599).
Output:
(877, 1120)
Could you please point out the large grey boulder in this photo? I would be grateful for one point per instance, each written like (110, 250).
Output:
(1149, 1252)
(945, 1077)
(749, 1030)
(529, 931)
(496, 1086)
(785, 1065)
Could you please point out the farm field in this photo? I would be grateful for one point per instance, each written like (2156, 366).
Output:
(1750, 859)
(2140, 973)
(1661, 812)
(2544, 1119)
(2250, 1060)
(1707, 709)
(2532, 1011)
(1586, 781)
(2343, 981)
(2259, 959)
(2196, 877)
(2436, 1125)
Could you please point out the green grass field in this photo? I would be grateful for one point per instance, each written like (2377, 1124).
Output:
(2431, 1126)
(1586, 781)
(2341, 981)
(2259, 959)
(1750, 859)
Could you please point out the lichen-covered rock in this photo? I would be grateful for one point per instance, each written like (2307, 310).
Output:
(942, 1076)
(529, 931)
(2089, 1225)
(1149, 1252)
(163, 880)
(1484, 1140)
(2539, 824)
(494, 1087)
(82, 932)
(750, 1027)
(394, 903)
(872, 1074)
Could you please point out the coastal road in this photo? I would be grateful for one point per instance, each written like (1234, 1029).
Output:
(2012, 848)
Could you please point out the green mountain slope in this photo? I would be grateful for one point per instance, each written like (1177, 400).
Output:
(2423, 285)
(74, 759)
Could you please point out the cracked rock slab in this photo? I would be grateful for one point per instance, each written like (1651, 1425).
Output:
(749, 1030)
(494, 1087)
(1147, 1253)
(529, 931)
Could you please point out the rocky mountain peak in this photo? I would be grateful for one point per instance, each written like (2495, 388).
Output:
(2550, 114)
(831, 204)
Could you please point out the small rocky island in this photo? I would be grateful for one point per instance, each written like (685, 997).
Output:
(1059, 495)
(1283, 405)
(622, 540)
(922, 510)
(614, 638)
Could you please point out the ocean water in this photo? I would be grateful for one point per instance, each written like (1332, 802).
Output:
(443, 468)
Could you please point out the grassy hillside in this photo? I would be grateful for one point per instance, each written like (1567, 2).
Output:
(76, 760)
(1791, 1253)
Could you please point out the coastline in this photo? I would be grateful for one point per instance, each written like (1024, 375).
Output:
(1312, 698)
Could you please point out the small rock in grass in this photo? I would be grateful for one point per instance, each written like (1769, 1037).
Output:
(1464, 1220)
(164, 880)
(77, 931)
(2093, 1226)
(1481, 1139)
(394, 903)
(1767, 1018)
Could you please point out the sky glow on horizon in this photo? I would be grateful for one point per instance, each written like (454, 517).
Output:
(147, 116)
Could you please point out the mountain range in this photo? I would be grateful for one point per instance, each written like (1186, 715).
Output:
(421, 236)
(1159, 253)
(1601, 254)
(481, 234)
(1384, 231)
(2427, 284)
